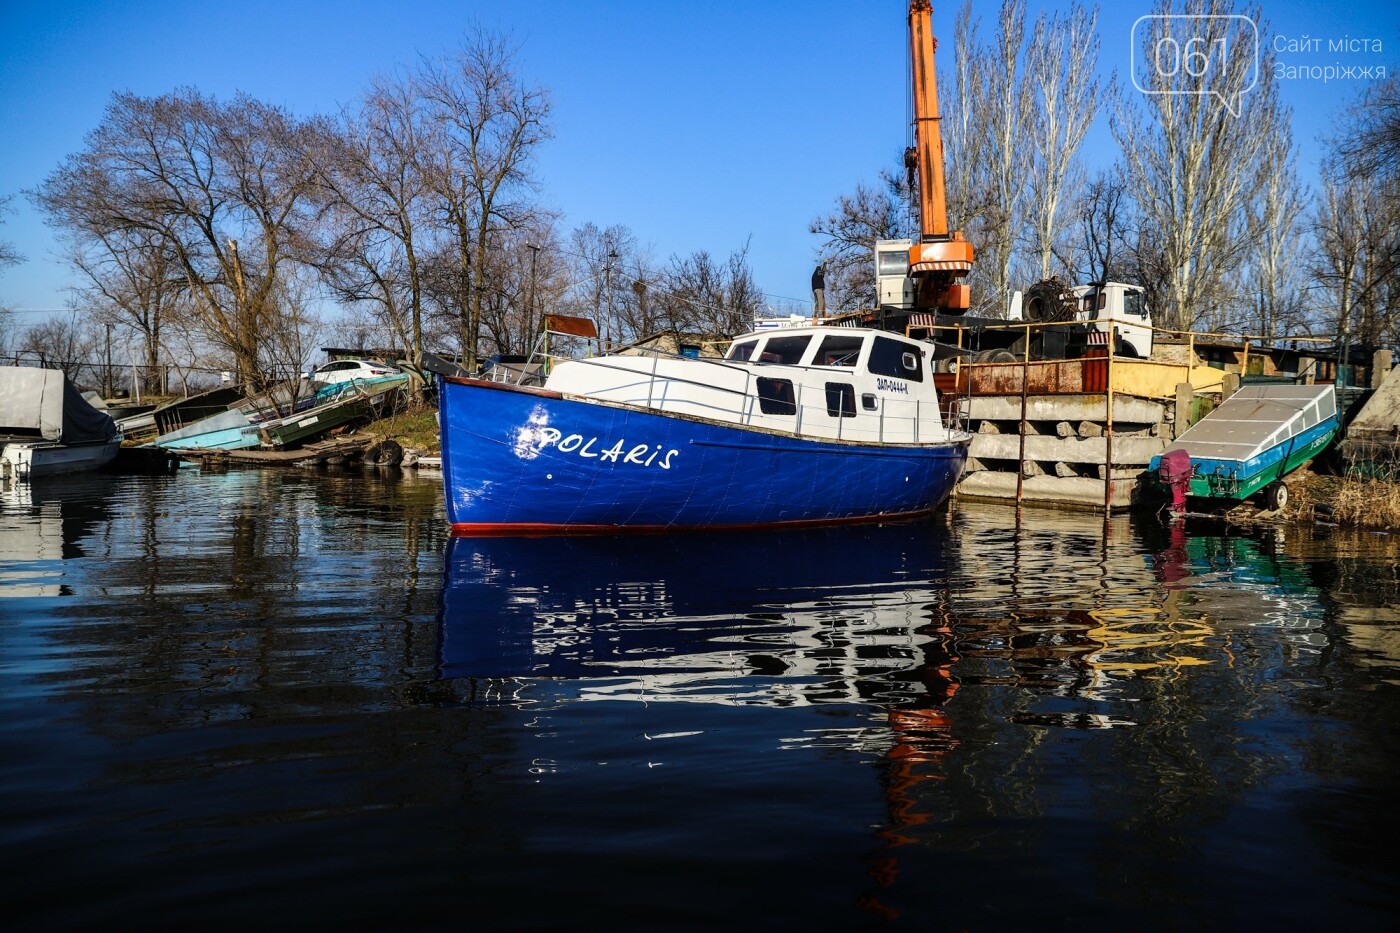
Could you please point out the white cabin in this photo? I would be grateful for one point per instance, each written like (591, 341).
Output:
(827, 382)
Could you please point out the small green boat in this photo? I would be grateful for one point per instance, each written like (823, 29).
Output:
(1252, 441)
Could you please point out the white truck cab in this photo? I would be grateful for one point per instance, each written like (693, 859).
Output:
(1125, 306)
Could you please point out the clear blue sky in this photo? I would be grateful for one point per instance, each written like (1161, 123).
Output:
(695, 124)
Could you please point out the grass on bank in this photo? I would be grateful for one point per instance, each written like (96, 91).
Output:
(1350, 500)
(414, 429)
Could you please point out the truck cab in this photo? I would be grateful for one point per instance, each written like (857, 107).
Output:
(1125, 306)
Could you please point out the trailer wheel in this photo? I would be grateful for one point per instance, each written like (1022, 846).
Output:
(1276, 495)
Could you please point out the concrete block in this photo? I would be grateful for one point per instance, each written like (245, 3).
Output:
(1071, 408)
(1080, 492)
(1065, 470)
(1129, 474)
(1127, 451)
(1090, 429)
(1031, 468)
(1185, 392)
(1380, 367)
(1065, 429)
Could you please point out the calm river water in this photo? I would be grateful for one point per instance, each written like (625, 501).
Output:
(274, 698)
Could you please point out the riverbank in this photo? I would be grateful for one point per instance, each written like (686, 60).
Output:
(416, 430)
(1348, 501)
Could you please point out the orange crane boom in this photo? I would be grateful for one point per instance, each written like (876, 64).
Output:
(940, 258)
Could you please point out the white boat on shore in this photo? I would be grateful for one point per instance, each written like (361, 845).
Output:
(47, 428)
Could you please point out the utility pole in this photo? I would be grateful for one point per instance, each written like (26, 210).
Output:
(107, 382)
(534, 249)
(607, 321)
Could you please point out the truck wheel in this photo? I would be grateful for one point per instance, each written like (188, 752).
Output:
(1276, 495)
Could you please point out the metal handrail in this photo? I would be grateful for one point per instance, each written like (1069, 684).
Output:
(744, 412)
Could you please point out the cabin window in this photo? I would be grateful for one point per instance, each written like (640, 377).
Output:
(743, 350)
(1132, 304)
(785, 350)
(894, 358)
(894, 261)
(839, 350)
(840, 400)
(775, 397)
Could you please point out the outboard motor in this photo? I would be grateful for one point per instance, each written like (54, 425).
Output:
(1174, 472)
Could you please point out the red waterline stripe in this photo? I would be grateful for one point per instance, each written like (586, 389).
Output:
(541, 529)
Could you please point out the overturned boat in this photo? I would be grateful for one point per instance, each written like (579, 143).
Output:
(810, 425)
(287, 415)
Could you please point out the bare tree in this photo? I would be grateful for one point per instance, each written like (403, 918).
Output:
(383, 220)
(1362, 192)
(228, 188)
(849, 232)
(134, 282)
(1373, 147)
(9, 256)
(1061, 63)
(65, 342)
(488, 124)
(601, 265)
(1194, 164)
(999, 102)
(1274, 275)
(704, 296)
(1105, 220)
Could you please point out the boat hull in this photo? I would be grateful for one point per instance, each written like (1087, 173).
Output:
(228, 430)
(1240, 479)
(31, 460)
(530, 461)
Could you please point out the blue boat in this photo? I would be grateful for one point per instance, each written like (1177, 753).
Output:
(812, 425)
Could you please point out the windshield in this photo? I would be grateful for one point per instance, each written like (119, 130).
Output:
(785, 350)
(742, 350)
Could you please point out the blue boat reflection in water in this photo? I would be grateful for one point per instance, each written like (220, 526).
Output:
(779, 618)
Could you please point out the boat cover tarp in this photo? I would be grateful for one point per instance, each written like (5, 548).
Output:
(43, 403)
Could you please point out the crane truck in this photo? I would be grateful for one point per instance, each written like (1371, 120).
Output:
(919, 281)
(939, 259)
